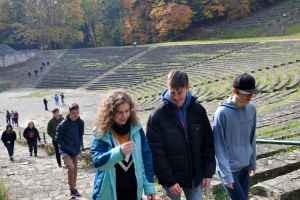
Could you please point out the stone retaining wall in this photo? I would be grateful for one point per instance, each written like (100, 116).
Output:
(8, 58)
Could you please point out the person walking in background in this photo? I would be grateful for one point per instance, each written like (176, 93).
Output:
(69, 136)
(31, 134)
(234, 125)
(8, 116)
(29, 74)
(8, 138)
(62, 96)
(16, 117)
(56, 98)
(12, 118)
(45, 103)
(41, 68)
(120, 151)
(181, 140)
(51, 130)
(35, 72)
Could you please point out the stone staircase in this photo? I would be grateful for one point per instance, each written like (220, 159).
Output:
(17, 74)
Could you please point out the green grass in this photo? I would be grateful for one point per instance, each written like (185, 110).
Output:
(292, 30)
(241, 33)
(277, 129)
(270, 107)
(37, 94)
(226, 40)
(4, 192)
(2, 82)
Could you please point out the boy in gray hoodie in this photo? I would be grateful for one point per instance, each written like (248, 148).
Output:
(234, 125)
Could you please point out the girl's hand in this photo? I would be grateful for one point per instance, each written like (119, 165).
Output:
(128, 147)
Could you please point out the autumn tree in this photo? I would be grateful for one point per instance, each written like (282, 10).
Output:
(137, 22)
(171, 19)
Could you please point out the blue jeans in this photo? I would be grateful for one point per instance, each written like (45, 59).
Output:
(240, 186)
(194, 193)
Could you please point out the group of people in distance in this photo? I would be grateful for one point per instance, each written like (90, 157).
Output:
(12, 118)
(56, 99)
(36, 71)
(180, 147)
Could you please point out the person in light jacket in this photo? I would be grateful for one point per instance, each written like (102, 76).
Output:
(234, 124)
(120, 151)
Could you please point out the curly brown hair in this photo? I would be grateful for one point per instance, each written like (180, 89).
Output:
(108, 108)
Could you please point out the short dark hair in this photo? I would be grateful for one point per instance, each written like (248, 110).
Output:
(177, 79)
(73, 106)
(55, 110)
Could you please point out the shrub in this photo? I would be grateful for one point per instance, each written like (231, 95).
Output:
(86, 158)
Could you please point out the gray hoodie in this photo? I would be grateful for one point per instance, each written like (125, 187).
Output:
(234, 138)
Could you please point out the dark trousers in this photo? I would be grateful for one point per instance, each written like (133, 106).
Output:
(10, 148)
(56, 152)
(34, 146)
(46, 108)
(8, 120)
(16, 122)
(240, 186)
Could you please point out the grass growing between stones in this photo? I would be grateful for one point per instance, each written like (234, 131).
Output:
(277, 129)
(219, 194)
(86, 159)
(37, 94)
(4, 192)
(271, 107)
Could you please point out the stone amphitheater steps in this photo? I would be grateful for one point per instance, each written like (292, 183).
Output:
(285, 187)
(5, 86)
(266, 167)
(17, 74)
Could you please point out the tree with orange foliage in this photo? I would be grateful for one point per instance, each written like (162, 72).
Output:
(137, 23)
(171, 19)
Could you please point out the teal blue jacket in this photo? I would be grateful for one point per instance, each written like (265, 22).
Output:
(105, 156)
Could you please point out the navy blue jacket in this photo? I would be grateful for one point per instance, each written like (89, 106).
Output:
(69, 136)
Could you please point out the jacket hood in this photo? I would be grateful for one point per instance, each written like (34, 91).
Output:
(60, 116)
(229, 103)
(69, 119)
(166, 97)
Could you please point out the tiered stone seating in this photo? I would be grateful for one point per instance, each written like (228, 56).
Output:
(161, 60)
(263, 17)
(17, 74)
(84, 65)
(5, 86)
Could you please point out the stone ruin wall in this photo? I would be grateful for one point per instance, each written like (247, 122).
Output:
(8, 58)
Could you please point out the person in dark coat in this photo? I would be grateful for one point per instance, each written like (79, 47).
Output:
(181, 140)
(51, 130)
(45, 103)
(31, 134)
(8, 138)
(35, 72)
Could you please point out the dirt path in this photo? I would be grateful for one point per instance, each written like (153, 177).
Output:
(29, 104)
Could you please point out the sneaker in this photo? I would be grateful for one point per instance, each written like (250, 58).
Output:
(72, 194)
(35, 155)
(11, 158)
(77, 193)
(30, 154)
(59, 165)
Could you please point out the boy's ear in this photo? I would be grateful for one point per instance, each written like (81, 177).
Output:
(188, 86)
(234, 91)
